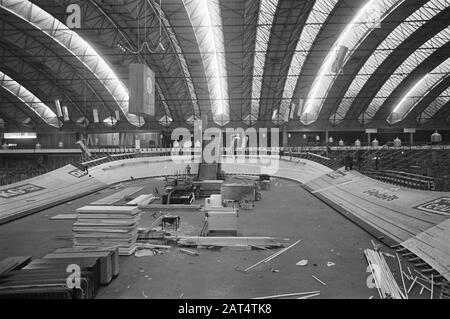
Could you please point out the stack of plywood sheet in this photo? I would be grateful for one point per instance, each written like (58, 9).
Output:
(107, 226)
(222, 223)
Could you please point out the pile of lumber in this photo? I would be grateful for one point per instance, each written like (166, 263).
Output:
(49, 277)
(107, 226)
(384, 280)
(263, 242)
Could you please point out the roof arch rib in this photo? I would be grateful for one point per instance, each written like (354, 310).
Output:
(419, 91)
(316, 18)
(396, 38)
(266, 15)
(29, 100)
(19, 68)
(75, 46)
(11, 112)
(406, 68)
(206, 21)
(50, 61)
(364, 22)
(116, 36)
(434, 107)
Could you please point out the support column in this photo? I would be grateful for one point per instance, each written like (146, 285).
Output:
(285, 136)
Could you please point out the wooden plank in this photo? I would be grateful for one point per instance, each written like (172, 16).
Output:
(64, 217)
(152, 207)
(114, 198)
(231, 241)
(126, 210)
(144, 199)
(432, 247)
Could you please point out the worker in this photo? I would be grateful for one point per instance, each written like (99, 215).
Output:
(188, 170)
(377, 162)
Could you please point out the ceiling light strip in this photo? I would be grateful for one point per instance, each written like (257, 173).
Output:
(317, 17)
(206, 22)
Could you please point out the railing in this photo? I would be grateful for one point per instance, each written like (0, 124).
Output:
(403, 179)
(328, 162)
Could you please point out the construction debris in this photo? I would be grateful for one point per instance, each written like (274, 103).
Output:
(188, 252)
(384, 280)
(302, 263)
(319, 280)
(267, 259)
(144, 253)
(289, 295)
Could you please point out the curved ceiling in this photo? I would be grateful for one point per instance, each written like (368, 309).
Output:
(335, 64)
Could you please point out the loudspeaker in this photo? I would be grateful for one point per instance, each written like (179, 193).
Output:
(141, 90)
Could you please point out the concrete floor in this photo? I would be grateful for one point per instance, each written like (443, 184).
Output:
(287, 211)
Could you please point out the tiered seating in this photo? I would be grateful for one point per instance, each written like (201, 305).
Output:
(403, 179)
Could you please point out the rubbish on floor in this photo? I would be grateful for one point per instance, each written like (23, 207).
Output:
(188, 252)
(303, 262)
(288, 295)
(319, 280)
(274, 270)
(330, 264)
(144, 253)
